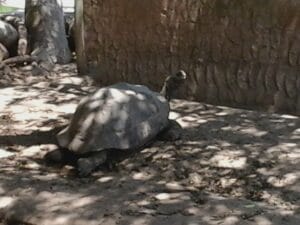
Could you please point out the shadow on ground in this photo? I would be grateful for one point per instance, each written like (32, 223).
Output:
(231, 166)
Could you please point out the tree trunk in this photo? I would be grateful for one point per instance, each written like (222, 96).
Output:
(79, 37)
(46, 31)
(3, 53)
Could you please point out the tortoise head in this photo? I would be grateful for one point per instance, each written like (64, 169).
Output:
(172, 84)
(180, 76)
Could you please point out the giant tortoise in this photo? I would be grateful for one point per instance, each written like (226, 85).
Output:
(118, 117)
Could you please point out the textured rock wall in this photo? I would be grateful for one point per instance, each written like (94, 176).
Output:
(240, 53)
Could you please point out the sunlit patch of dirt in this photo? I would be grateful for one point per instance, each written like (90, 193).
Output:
(231, 166)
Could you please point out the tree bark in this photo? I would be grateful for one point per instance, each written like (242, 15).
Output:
(46, 31)
(238, 53)
(3, 53)
(80, 37)
(23, 42)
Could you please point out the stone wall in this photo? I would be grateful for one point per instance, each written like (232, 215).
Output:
(239, 53)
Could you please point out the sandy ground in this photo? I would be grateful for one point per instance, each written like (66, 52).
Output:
(231, 166)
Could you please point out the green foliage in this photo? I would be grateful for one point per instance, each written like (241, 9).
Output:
(6, 9)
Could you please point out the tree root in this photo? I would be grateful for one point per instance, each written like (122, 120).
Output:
(18, 60)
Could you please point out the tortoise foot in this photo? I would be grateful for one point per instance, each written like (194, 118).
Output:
(61, 156)
(87, 165)
(172, 133)
(54, 157)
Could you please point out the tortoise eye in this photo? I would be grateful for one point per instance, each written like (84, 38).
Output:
(181, 74)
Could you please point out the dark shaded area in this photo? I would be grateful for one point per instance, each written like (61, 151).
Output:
(34, 138)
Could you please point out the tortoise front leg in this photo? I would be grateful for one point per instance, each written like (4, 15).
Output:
(88, 164)
(61, 156)
(172, 132)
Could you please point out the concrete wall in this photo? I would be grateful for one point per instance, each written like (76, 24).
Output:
(239, 53)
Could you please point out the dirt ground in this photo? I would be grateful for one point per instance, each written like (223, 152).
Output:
(231, 167)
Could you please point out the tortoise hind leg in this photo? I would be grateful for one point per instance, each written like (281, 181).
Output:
(172, 132)
(88, 164)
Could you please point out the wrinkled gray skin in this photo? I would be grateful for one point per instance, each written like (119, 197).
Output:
(118, 117)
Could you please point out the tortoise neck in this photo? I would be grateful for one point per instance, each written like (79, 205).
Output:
(165, 90)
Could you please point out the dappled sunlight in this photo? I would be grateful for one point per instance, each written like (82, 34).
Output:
(230, 167)
(285, 180)
(105, 179)
(142, 176)
(225, 161)
(251, 131)
(5, 201)
(35, 150)
(38, 101)
(5, 154)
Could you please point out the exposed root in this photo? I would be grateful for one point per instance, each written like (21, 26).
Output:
(19, 60)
